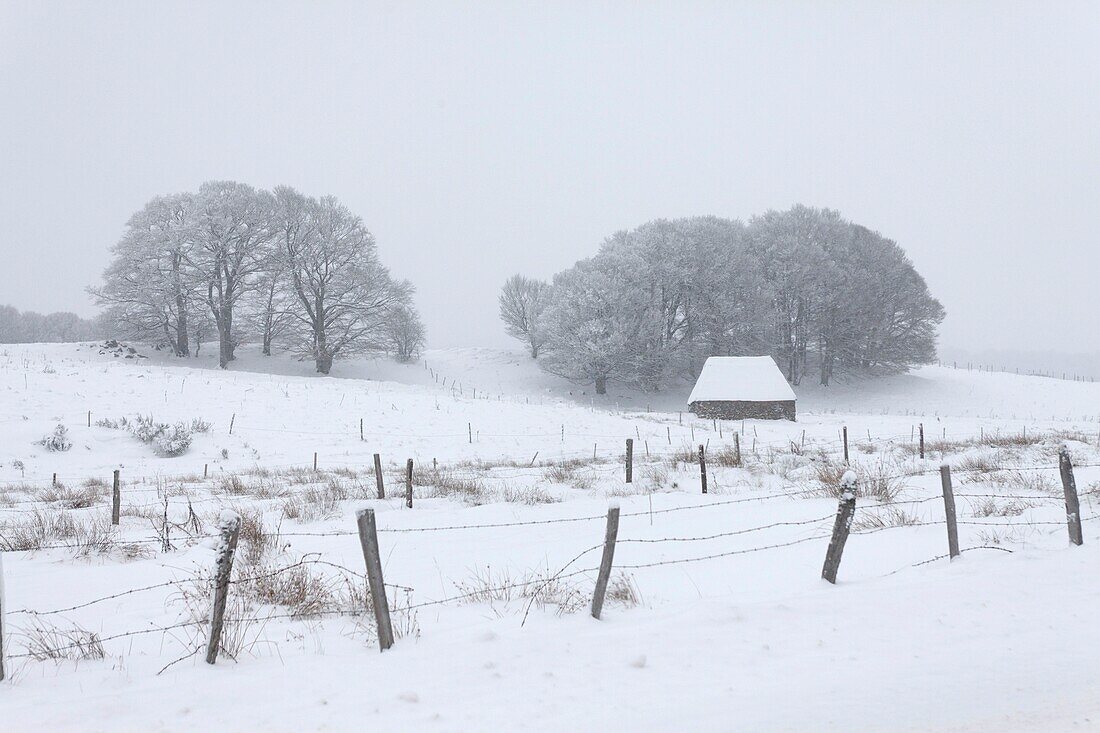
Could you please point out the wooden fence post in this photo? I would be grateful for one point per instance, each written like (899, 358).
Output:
(470, 432)
(409, 483)
(737, 448)
(949, 509)
(1073, 506)
(610, 537)
(922, 441)
(630, 460)
(845, 433)
(360, 429)
(230, 526)
(232, 420)
(116, 500)
(702, 469)
(315, 461)
(845, 511)
(378, 476)
(368, 538)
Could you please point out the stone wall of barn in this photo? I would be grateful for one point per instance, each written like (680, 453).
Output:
(740, 410)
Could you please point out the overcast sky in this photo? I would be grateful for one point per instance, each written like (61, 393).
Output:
(477, 140)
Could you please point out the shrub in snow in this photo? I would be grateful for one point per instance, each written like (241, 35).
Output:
(174, 440)
(120, 424)
(146, 430)
(58, 440)
(198, 425)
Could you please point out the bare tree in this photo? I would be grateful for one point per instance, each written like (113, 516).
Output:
(344, 295)
(271, 311)
(522, 301)
(232, 231)
(405, 332)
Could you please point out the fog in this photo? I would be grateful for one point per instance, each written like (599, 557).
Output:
(483, 140)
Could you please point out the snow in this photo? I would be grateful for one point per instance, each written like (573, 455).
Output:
(738, 632)
(741, 378)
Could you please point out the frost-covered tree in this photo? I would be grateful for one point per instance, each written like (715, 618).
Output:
(271, 307)
(343, 295)
(232, 232)
(148, 291)
(405, 332)
(586, 339)
(805, 286)
(522, 301)
(792, 248)
(29, 327)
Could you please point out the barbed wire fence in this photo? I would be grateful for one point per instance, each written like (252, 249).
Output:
(814, 529)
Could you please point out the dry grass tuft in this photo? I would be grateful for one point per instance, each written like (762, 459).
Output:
(439, 482)
(882, 518)
(991, 507)
(72, 498)
(727, 457)
(46, 641)
(46, 529)
(529, 495)
(542, 590)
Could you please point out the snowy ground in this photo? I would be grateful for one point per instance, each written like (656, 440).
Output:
(719, 621)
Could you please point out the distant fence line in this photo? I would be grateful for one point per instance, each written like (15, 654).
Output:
(662, 449)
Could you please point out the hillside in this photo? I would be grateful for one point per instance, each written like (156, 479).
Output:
(716, 612)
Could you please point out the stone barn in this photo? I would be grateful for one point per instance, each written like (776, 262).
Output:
(742, 388)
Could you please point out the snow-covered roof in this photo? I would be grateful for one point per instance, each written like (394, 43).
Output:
(741, 379)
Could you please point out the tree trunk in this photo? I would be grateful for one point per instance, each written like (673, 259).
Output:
(224, 349)
(225, 337)
(267, 340)
(324, 362)
(601, 385)
(182, 347)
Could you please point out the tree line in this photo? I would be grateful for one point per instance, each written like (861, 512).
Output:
(820, 294)
(25, 327)
(232, 262)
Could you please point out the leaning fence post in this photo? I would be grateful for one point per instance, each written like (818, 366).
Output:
(845, 510)
(378, 476)
(1069, 486)
(949, 510)
(368, 538)
(610, 537)
(230, 526)
(409, 484)
(702, 469)
(116, 501)
(630, 460)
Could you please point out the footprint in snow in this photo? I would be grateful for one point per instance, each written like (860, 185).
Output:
(638, 661)
(409, 697)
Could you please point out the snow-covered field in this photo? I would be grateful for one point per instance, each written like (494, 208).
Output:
(718, 619)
